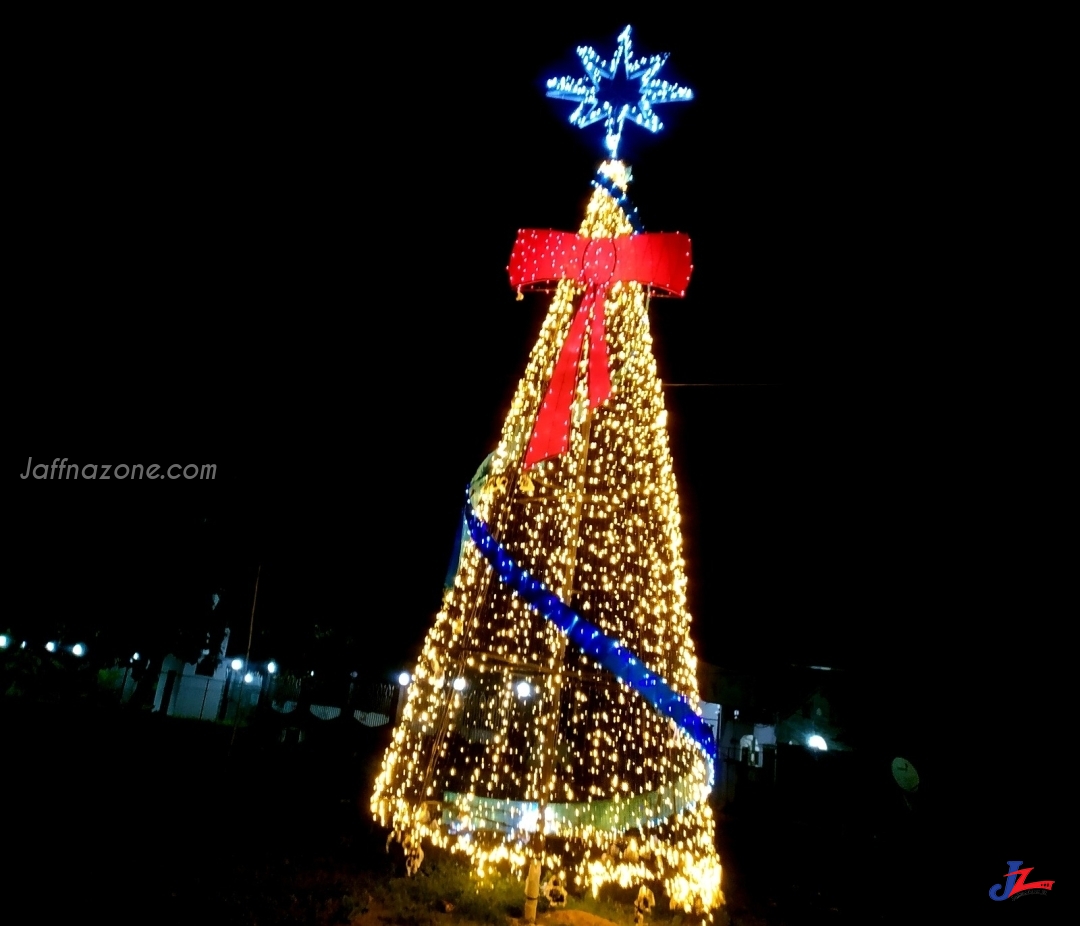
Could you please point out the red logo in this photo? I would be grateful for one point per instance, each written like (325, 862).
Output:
(1015, 882)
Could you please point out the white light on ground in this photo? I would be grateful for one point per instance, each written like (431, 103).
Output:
(404, 678)
(530, 818)
(459, 684)
(237, 664)
(523, 689)
(4, 641)
(817, 742)
(78, 649)
(271, 667)
(249, 678)
(50, 646)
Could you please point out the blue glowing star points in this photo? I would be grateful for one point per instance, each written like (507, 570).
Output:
(627, 98)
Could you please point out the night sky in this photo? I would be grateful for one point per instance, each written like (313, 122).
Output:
(292, 264)
(283, 251)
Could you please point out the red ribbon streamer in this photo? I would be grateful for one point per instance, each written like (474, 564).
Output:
(544, 256)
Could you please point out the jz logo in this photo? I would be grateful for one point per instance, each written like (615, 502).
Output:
(1015, 882)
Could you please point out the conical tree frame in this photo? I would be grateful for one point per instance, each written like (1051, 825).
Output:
(506, 721)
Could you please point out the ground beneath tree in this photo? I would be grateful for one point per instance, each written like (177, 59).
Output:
(174, 820)
(569, 918)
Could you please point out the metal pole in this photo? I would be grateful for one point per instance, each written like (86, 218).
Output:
(547, 759)
(247, 655)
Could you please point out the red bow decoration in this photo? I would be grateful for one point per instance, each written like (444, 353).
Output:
(660, 260)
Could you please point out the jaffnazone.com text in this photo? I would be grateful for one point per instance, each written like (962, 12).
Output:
(62, 469)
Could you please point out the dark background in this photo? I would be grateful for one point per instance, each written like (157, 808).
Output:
(280, 247)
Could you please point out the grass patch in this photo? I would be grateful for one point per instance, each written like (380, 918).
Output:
(443, 884)
(445, 892)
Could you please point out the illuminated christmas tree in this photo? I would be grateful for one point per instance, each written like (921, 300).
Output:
(558, 683)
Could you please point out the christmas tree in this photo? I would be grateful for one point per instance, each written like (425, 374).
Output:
(553, 712)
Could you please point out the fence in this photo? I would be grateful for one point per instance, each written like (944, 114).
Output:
(233, 697)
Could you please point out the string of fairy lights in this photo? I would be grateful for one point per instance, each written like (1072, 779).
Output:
(592, 107)
(508, 731)
(590, 639)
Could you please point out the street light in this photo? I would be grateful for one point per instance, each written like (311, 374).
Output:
(459, 684)
(78, 649)
(50, 646)
(523, 689)
(4, 641)
(271, 667)
(236, 665)
(404, 679)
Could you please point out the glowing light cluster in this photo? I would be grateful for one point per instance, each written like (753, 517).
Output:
(587, 616)
(592, 640)
(613, 177)
(593, 107)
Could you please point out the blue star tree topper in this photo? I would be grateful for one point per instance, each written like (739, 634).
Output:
(631, 97)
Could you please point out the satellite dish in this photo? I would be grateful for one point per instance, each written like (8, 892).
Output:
(905, 775)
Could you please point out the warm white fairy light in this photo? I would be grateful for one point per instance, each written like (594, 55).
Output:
(473, 760)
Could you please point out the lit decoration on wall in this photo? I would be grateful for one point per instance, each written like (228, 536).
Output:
(598, 101)
(553, 710)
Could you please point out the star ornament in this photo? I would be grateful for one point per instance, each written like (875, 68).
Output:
(630, 97)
